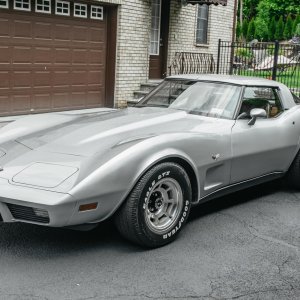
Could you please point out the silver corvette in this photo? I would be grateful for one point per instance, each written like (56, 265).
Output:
(192, 139)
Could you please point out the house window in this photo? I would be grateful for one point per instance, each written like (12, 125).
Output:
(43, 6)
(22, 5)
(62, 8)
(3, 3)
(155, 27)
(202, 24)
(80, 10)
(96, 12)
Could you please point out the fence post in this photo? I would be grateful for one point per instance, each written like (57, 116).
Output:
(276, 53)
(231, 58)
(219, 55)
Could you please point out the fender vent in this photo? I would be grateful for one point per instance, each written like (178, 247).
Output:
(28, 213)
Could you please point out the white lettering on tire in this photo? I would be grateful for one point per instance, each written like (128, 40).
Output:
(152, 185)
(177, 227)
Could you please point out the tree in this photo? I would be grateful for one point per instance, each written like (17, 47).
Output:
(288, 28)
(272, 29)
(250, 8)
(251, 30)
(261, 29)
(274, 8)
(238, 31)
(261, 21)
(245, 28)
(279, 30)
(295, 23)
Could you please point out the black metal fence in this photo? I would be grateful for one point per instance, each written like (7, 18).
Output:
(275, 61)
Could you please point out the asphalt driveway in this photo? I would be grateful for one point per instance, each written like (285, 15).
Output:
(244, 246)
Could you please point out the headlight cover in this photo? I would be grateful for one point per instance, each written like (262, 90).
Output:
(46, 175)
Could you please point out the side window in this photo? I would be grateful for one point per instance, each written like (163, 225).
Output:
(261, 97)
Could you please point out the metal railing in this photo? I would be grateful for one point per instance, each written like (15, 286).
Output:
(192, 63)
(275, 61)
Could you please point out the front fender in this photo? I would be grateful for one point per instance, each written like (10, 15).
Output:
(111, 183)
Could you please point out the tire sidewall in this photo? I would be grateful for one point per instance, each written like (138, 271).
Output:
(175, 172)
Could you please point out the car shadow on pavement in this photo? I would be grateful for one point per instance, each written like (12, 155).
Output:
(21, 239)
(237, 198)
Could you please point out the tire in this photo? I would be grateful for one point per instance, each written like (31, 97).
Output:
(157, 207)
(293, 175)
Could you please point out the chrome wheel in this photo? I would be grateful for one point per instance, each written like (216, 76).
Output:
(163, 206)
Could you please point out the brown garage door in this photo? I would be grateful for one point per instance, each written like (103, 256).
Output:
(52, 62)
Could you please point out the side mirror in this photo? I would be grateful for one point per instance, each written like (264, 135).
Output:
(256, 113)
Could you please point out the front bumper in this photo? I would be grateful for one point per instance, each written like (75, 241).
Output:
(17, 204)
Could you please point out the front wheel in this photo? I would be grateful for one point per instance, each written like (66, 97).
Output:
(158, 206)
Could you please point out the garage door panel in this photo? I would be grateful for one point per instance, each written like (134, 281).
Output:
(77, 99)
(80, 34)
(5, 57)
(96, 57)
(96, 78)
(43, 56)
(4, 27)
(50, 62)
(97, 35)
(62, 32)
(94, 96)
(60, 100)
(59, 79)
(43, 79)
(79, 78)
(4, 80)
(5, 104)
(42, 102)
(22, 29)
(80, 56)
(21, 79)
(21, 103)
(62, 56)
(22, 55)
(42, 31)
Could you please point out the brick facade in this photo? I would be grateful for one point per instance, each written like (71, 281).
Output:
(134, 20)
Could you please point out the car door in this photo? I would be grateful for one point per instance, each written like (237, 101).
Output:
(258, 149)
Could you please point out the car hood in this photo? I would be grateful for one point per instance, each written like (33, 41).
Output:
(87, 135)
(58, 154)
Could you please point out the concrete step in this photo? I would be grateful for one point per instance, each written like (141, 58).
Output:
(150, 85)
(145, 89)
(139, 94)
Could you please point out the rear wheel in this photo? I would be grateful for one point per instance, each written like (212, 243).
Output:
(293, 175)
(157, 208)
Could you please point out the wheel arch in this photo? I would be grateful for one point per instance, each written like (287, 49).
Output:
(184, 163)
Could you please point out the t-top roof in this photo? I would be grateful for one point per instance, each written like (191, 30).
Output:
(239, 80)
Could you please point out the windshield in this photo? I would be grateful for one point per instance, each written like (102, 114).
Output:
(210, 99)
